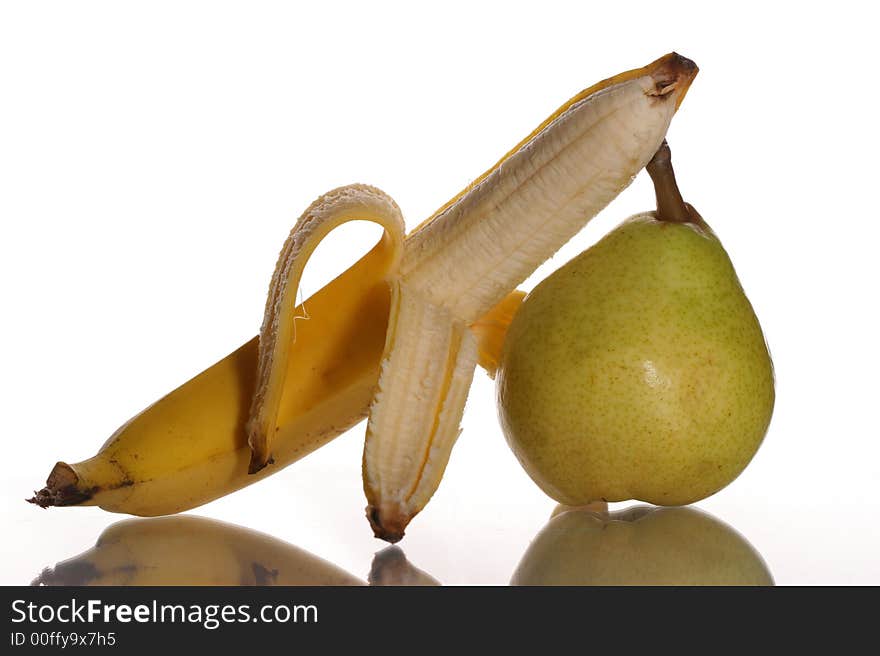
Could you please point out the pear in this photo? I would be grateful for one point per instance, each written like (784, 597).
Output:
(639, 369)
(640, 546)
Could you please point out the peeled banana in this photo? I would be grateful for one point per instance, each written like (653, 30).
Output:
(475, 250)
(398, 334)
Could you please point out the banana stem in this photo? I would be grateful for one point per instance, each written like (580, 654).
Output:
(670, 205)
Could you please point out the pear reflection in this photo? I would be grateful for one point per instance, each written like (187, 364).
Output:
(189, 550)
(643, 545)
(391, 567)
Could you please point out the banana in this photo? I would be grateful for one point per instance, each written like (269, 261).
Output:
(397, 335)
(189, 550)
(475, 250)
(191, 446)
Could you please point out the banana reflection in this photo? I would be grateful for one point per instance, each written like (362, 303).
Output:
(187, 550)
(391, 567)
(643, 545)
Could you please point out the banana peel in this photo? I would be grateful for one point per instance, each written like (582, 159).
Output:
(397, 336)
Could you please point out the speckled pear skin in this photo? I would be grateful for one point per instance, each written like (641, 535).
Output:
(637, 371)
(640, 546)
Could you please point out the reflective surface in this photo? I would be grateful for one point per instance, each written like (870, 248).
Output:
(641, 545)
(189, 550)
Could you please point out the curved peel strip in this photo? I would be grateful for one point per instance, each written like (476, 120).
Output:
(278, 333)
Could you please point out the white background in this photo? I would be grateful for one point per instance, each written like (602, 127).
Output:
(153, 157)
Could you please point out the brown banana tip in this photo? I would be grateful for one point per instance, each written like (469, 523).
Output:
(62, 489)
(673, 73)
(390, 529)
(257, 464)
(41, 498)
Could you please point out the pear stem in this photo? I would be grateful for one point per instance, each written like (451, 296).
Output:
(670, 205)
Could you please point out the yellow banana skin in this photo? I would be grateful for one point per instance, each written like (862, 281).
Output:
(281, 342)
(189, 550)
(491, 330)
(191, 447)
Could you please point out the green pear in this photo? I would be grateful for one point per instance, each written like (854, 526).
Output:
(640, 546)
(638, 370)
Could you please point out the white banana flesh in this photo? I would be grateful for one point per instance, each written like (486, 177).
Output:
(430, 362)
(476, 250)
